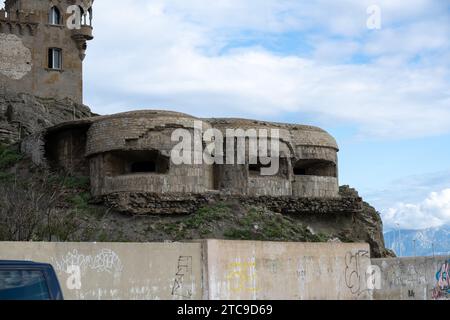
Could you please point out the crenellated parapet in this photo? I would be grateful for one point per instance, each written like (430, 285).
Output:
(10, 3)
(18, 22)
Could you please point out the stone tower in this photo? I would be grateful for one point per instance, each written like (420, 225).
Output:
(42, 47)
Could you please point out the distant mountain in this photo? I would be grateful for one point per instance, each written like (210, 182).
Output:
(427, 242)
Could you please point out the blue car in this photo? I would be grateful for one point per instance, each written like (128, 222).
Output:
(25, 280)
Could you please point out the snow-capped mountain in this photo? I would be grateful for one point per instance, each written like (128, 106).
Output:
(419, 242)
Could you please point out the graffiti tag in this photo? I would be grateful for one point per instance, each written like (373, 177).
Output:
(355, 279)
(77, 265)
(242, 277)
(184, 272)
(442, 289)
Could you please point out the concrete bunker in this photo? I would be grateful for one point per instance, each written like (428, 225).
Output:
(130, 153)
(245, 177)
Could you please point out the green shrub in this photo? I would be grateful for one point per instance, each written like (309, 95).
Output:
(77, 182)
(9, 156)
(208, 214)
(81, 201)
(6, 177)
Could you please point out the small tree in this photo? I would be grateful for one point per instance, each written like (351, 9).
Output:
(28, 209)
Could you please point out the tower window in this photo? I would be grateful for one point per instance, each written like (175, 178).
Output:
(55, 58)
(54, 16)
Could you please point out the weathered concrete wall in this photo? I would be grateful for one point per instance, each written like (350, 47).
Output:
(118, 271)
(209, 269)
(219, 269)
(315, 186)
(137, 132)
(191, 179)
(296, 142)
(270, 186)
(272, 270)
(316, 152)
(420, 278)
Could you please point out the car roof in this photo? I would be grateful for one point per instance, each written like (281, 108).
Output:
(22, 263)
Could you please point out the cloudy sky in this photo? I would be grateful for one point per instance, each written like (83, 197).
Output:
(383, 93)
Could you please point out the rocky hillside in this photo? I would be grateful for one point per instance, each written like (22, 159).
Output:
(368, 227)
(24, 114)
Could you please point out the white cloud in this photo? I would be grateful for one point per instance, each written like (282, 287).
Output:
(434, 211)
(170, 53)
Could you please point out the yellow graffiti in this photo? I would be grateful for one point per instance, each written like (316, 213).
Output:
(242, 277)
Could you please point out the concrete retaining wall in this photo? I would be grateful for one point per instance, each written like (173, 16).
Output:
(420, 278)
(91, 271)
(208, 269)
(289, 271)
(219, 269)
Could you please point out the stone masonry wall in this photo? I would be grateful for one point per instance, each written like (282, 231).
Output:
(182, 204)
